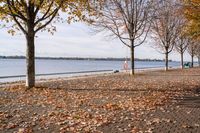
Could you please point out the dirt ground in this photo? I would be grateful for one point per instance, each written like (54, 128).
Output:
(154, 101)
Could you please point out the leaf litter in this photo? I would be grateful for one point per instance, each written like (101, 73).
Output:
(94, 104)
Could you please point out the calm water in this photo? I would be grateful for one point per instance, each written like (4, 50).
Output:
(10, 67)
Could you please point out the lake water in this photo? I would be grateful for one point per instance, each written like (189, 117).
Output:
(11, 67)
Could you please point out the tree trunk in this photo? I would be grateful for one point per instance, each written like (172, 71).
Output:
(182, 65)
(192, 56)
(132, 71)
(30, 60)
(166, 61)
(199, 61)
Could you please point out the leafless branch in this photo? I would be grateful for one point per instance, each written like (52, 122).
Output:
(129, 20)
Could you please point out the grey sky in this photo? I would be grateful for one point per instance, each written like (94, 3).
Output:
(76, 40)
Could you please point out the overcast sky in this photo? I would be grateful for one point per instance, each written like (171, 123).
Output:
(76, 40)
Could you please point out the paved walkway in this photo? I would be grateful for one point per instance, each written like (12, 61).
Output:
(180, 117)
(183, 116)
(108, 104)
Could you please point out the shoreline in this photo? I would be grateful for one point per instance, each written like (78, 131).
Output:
(54, 78)
(85, 58)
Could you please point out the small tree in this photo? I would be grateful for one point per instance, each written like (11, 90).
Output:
(166, 26)
(128, 20)
(192, 50)
(181, 46)
(191, 10)
(31, 16)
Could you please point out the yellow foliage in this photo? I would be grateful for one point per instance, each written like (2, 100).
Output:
(41, 13)
(192, 13)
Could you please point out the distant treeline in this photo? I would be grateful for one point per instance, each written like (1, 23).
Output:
(79, 58)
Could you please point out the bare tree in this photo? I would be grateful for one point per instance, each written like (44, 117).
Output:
(192, 50)
(166, 26)
(181, 46)
(128, 20)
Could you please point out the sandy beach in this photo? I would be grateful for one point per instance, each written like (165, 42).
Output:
(146, 102)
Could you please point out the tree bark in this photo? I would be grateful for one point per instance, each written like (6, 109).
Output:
(166, 61)
(182, 65)
(30, 59)
(132, 71)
